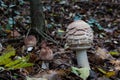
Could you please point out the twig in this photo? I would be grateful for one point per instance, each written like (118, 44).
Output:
(101, 2)
(28, 31)
(11, 39)
(65, 52)
(44, 35)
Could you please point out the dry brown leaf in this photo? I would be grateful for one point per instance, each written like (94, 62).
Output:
(62, 61)
(102, 53)
(15, 33)
(116, 63)
(32, 78)
(117, 68)
(103, 78)
(50, 74)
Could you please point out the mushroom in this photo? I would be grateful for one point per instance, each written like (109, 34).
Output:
(79, 37)
(30, 42)
(46, 55)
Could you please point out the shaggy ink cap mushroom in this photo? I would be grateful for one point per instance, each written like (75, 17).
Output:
(79, 37)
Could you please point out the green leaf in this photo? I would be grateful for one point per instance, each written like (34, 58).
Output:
(102, 71)
(9, 54)
(60, 32)
(110, 74)
(114, 53)
(5, 57)
(27, 58)
(84, 73)
(5, 61)
(15, 62)
(107, 73)
(10, 51)
(75, 70)
(12, 63)
(22, 65)
(81, 72)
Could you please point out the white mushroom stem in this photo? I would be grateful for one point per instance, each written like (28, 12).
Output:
(82, 58)
(45, 65)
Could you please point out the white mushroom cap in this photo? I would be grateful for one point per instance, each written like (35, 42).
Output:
(79, 35)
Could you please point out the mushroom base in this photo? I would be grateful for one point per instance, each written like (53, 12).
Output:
(82, 58)
(45, 65)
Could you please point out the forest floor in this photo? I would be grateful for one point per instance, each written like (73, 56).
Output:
(103, 56)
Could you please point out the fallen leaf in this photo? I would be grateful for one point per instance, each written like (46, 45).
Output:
(50, 74)
(116, 64)
(101, 70)
(81, 72)
(107, 73)
(114, 53)
(102, 53)
(110, 74)
(32, 78)
(103, 78)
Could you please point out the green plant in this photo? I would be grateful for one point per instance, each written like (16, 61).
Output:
(81, 72)
(8, 63)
